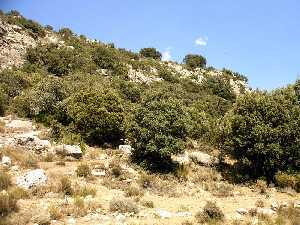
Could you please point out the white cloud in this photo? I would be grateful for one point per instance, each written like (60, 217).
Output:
(200, 41)
(166, 55)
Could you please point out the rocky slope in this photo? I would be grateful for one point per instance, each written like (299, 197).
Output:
(143, 199)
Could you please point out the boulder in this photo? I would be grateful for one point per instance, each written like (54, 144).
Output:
(68, 150)
(30, 140)
(125, 149)
(31, 179)
(203, 158)
(6, 161)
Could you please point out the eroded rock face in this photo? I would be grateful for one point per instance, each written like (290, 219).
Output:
(31, 179)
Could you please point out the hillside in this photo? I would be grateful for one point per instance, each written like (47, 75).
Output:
(95, 134)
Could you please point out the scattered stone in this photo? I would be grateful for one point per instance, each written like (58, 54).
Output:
(32, 178)
(125, 149)
(69, 150)
(203, 158)
(71, 221)
(242, 211)
(6, 161)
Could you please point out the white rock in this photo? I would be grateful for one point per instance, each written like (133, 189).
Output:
(15, 168)
(71, 221)
(203, 158)
(242, 211)
(163, 213)
(183, 159)
(6, 161)
(98, 173)
(265, 211)
(32, 178)
(20, 124)
(274, 206)
(68, 150)
(125, 149)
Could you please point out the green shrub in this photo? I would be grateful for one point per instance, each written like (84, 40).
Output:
(168, 76)
(261, 132)
(194, 61)
(219, 86)
(106, 58)
(83, 170)
(150, 53)
(40, 100)
(12, 83)
(3, 102)
(96, 115)
(158, 131)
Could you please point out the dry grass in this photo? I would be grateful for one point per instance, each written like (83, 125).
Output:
(60, 163)
(8, 203)
(147, 203)
(83, 170)
(85, 191)
(55, 212)
(21, 157)
(65, 186)
(211, 212)
(2, 127)
(260, 203)
(134, 191)
(49, 157)
(261, 186)
(5, 181)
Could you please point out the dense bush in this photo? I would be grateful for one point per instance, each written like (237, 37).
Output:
(157, 132)
(150, 53)
(219, 86)
(194, 61)
(262, 132)
(211, 213)
(285, 180)
(96, 115)
(40, 100)
(12, 83)
(106, 58)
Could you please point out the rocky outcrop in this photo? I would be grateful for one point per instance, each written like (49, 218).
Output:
(14, 41)
(125, 149)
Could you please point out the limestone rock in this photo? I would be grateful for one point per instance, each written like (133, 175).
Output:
(183, 159)
(68, 150)
(297, 204)
(32, 178)
(203, 158)
(125, 149)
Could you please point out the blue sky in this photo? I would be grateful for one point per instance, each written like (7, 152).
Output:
(258, 38)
